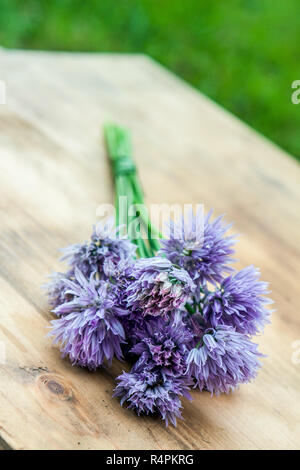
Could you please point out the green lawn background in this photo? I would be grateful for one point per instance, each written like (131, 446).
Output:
(244, 54)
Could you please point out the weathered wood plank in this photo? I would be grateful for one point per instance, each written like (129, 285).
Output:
(53, 175)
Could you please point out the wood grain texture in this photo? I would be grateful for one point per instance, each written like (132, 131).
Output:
(54, 173)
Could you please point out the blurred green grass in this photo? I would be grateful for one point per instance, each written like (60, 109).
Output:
(244, 54)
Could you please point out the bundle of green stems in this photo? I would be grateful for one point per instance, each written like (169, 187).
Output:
(131, 211)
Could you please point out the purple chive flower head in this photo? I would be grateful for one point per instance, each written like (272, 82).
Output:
(89, 329)
(239, 302)
(149, 392)
(163, 344)
(200, 246)
(106, 245)
(157, 287)
(224, 359)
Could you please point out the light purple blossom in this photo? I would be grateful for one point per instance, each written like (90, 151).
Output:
(89, 330)
(163, 344)
(149, 392)
(203, 255)
(239, 302)
(106, 245)
(222, 359)
(157, 287)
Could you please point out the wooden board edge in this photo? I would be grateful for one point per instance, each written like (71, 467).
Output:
(4, 445)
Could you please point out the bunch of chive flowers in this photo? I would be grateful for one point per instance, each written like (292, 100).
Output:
(174, 308)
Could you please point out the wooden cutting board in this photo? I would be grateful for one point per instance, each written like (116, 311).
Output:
(53, 175)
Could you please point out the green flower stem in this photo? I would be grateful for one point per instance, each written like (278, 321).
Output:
(190, 309)
(140, 196)
(127, 184)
